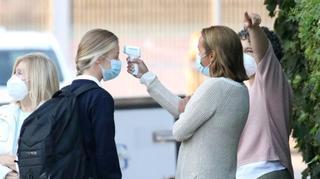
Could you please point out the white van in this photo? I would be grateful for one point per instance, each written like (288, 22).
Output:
(14, 44)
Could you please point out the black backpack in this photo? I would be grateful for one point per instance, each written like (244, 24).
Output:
(51, 143)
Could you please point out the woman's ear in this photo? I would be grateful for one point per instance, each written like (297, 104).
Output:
(212, 56)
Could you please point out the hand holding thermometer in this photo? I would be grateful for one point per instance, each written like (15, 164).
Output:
(133, 53)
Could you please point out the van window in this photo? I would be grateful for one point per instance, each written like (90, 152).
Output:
(8, 57)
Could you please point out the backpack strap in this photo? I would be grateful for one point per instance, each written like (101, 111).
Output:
(82, 89)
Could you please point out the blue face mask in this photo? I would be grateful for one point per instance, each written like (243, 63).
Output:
(202, 69)
(112, 72)
(248, 62)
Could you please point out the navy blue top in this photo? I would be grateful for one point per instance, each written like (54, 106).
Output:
(97, 123)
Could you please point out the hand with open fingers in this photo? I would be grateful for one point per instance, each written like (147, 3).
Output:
(251, 20)
(8, 161)
(142, 68)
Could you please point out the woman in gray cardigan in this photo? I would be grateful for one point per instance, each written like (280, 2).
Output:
(210, 127)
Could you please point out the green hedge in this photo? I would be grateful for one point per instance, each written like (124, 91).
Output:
(298, 25)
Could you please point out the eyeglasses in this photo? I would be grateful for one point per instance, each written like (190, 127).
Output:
(244, 35)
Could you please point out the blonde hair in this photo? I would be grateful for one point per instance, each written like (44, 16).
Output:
(94, 44)
(42, 77)
(226, 45)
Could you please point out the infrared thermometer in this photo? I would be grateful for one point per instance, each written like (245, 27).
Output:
(133, 53)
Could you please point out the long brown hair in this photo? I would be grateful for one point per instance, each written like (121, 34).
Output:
(226, 45)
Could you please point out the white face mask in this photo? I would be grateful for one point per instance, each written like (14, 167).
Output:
(17, 88)
(249, 64)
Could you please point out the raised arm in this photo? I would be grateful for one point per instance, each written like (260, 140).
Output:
(258, 40)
